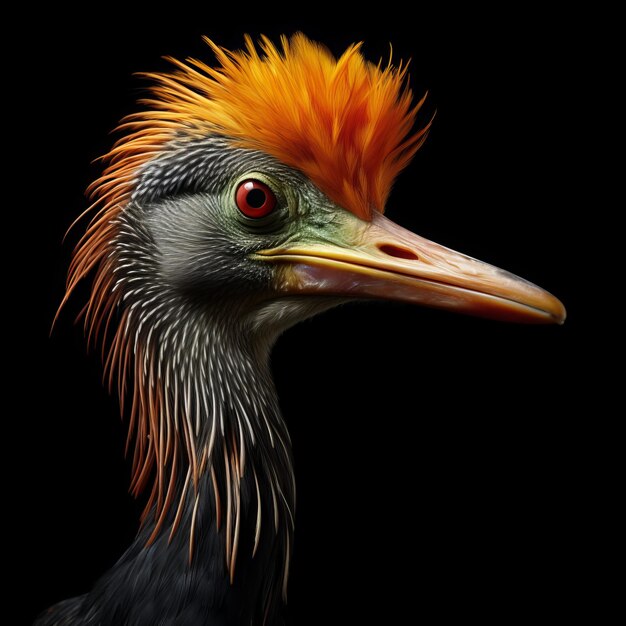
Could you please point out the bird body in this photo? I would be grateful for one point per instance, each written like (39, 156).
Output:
(246, 198)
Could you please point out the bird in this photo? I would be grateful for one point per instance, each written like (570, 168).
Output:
(243, 197)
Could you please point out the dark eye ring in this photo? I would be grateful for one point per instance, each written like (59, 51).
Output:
(254, 198)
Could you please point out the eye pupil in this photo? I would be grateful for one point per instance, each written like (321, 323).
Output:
(254, 198)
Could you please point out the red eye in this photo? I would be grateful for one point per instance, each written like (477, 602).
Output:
(255, 199)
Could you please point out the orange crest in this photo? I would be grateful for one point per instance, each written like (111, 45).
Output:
(345, 123)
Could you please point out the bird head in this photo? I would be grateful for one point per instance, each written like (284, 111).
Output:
(255, 190)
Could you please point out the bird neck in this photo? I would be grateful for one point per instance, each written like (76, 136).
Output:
(209, 439)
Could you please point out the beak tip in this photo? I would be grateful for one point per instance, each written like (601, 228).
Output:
(557, 311)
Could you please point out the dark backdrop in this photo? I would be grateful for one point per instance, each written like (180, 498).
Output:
(440, 460)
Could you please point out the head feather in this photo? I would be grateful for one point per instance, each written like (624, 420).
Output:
(345, 123)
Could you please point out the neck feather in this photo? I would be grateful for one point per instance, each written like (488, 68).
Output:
(204, 406)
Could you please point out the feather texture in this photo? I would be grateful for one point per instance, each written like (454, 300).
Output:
(345, 123)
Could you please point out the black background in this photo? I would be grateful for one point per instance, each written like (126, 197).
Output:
(442, 462)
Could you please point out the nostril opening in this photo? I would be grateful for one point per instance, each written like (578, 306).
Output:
(400, 253)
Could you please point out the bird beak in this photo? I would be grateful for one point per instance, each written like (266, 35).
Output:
(380, 259)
